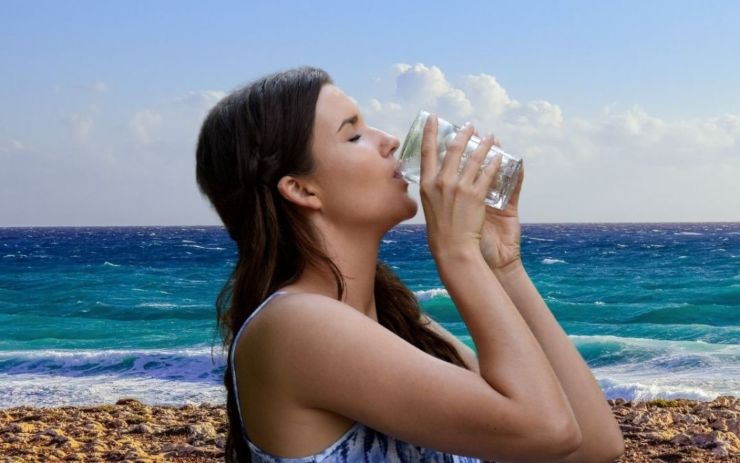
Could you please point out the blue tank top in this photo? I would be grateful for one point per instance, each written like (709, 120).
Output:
(359, 444)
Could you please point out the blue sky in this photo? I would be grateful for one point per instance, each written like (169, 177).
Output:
(100, 101)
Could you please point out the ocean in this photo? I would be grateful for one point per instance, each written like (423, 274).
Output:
(91, 315)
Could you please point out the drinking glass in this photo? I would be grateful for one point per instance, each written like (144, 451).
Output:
(410, 156)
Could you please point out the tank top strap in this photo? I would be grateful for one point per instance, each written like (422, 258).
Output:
(232, 349)
(255, 312)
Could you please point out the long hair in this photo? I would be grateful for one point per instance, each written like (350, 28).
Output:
(247, 142)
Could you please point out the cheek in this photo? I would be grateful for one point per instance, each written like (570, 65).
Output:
(358, 190)
(357, 175)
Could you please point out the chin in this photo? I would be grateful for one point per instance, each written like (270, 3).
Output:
(413, 210)
(412, 207)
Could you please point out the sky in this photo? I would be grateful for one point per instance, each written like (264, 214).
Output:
(622, 111)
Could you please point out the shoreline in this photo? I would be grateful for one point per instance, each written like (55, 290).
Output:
(680, 430)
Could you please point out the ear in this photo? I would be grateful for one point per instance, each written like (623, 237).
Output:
(299, 191)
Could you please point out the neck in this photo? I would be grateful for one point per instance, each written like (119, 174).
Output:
(355, 253)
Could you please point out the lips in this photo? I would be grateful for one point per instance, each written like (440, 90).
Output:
(397, 170)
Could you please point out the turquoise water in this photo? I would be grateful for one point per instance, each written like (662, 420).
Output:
(88, 315)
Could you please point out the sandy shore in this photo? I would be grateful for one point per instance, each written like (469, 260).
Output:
(655, 431)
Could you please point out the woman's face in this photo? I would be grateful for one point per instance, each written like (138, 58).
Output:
(355, 167)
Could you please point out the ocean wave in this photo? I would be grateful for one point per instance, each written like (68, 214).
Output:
(62, 387)
(657, 355)
(197, 246)
(58, 391)
(651, 388)
(144, 312)
(429, 294)
(188, 364)
(157, 305)
(550, 261)
(709, 310)
(110, 264)
(686, 233)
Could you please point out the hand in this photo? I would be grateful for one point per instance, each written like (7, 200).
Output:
(501, 235)
(453, 203)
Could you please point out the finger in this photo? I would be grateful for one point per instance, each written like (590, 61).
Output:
(473, 165)
(514, 200)
(496, 142)
(428, 164)
(455, 149)
(485, 180)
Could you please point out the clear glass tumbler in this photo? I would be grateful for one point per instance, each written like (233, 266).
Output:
(410, 157)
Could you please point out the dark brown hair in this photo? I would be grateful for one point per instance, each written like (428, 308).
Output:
(248, 141)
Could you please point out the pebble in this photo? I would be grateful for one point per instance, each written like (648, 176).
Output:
(655, 431)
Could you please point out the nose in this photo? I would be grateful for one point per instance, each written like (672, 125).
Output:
(391, 144)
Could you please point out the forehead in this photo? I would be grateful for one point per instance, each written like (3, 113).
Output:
(332, 107)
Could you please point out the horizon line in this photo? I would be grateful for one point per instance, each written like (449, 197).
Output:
(399, 225)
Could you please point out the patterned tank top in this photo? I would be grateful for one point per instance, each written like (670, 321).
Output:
(359, 444)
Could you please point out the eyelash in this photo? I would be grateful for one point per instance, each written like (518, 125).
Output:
(355, 138)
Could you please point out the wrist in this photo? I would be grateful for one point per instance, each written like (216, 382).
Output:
(453, 262)
(458, 255)
(513, 268)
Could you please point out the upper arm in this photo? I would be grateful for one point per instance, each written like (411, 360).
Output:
(468, 355)
(334, 358)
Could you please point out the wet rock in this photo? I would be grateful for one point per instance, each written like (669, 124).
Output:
(201, 431)
(131, 403)
(93, 427)
(657, 431)
(141, 428)
(187, 450)
(21, 427)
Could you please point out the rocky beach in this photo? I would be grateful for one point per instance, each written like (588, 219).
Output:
(654, 431)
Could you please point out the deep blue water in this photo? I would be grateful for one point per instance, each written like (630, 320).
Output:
(88, 315)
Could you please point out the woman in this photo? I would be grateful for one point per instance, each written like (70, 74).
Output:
(330, 358)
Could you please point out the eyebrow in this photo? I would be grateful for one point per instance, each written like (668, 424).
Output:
(350, 120)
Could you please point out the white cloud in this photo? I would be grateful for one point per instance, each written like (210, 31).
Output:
(99, 87)
(83, 124)
(624, 164)
(144, 125)
(615, 166)
(175, 121)
(487, 94)
(10, 146)
(427, 87)
(108, 167)
(201, 100)
(537, 113)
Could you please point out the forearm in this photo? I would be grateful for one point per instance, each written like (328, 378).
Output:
(503, 339)
(602, 437)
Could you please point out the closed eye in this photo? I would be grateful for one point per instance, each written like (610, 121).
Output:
(355, 138)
